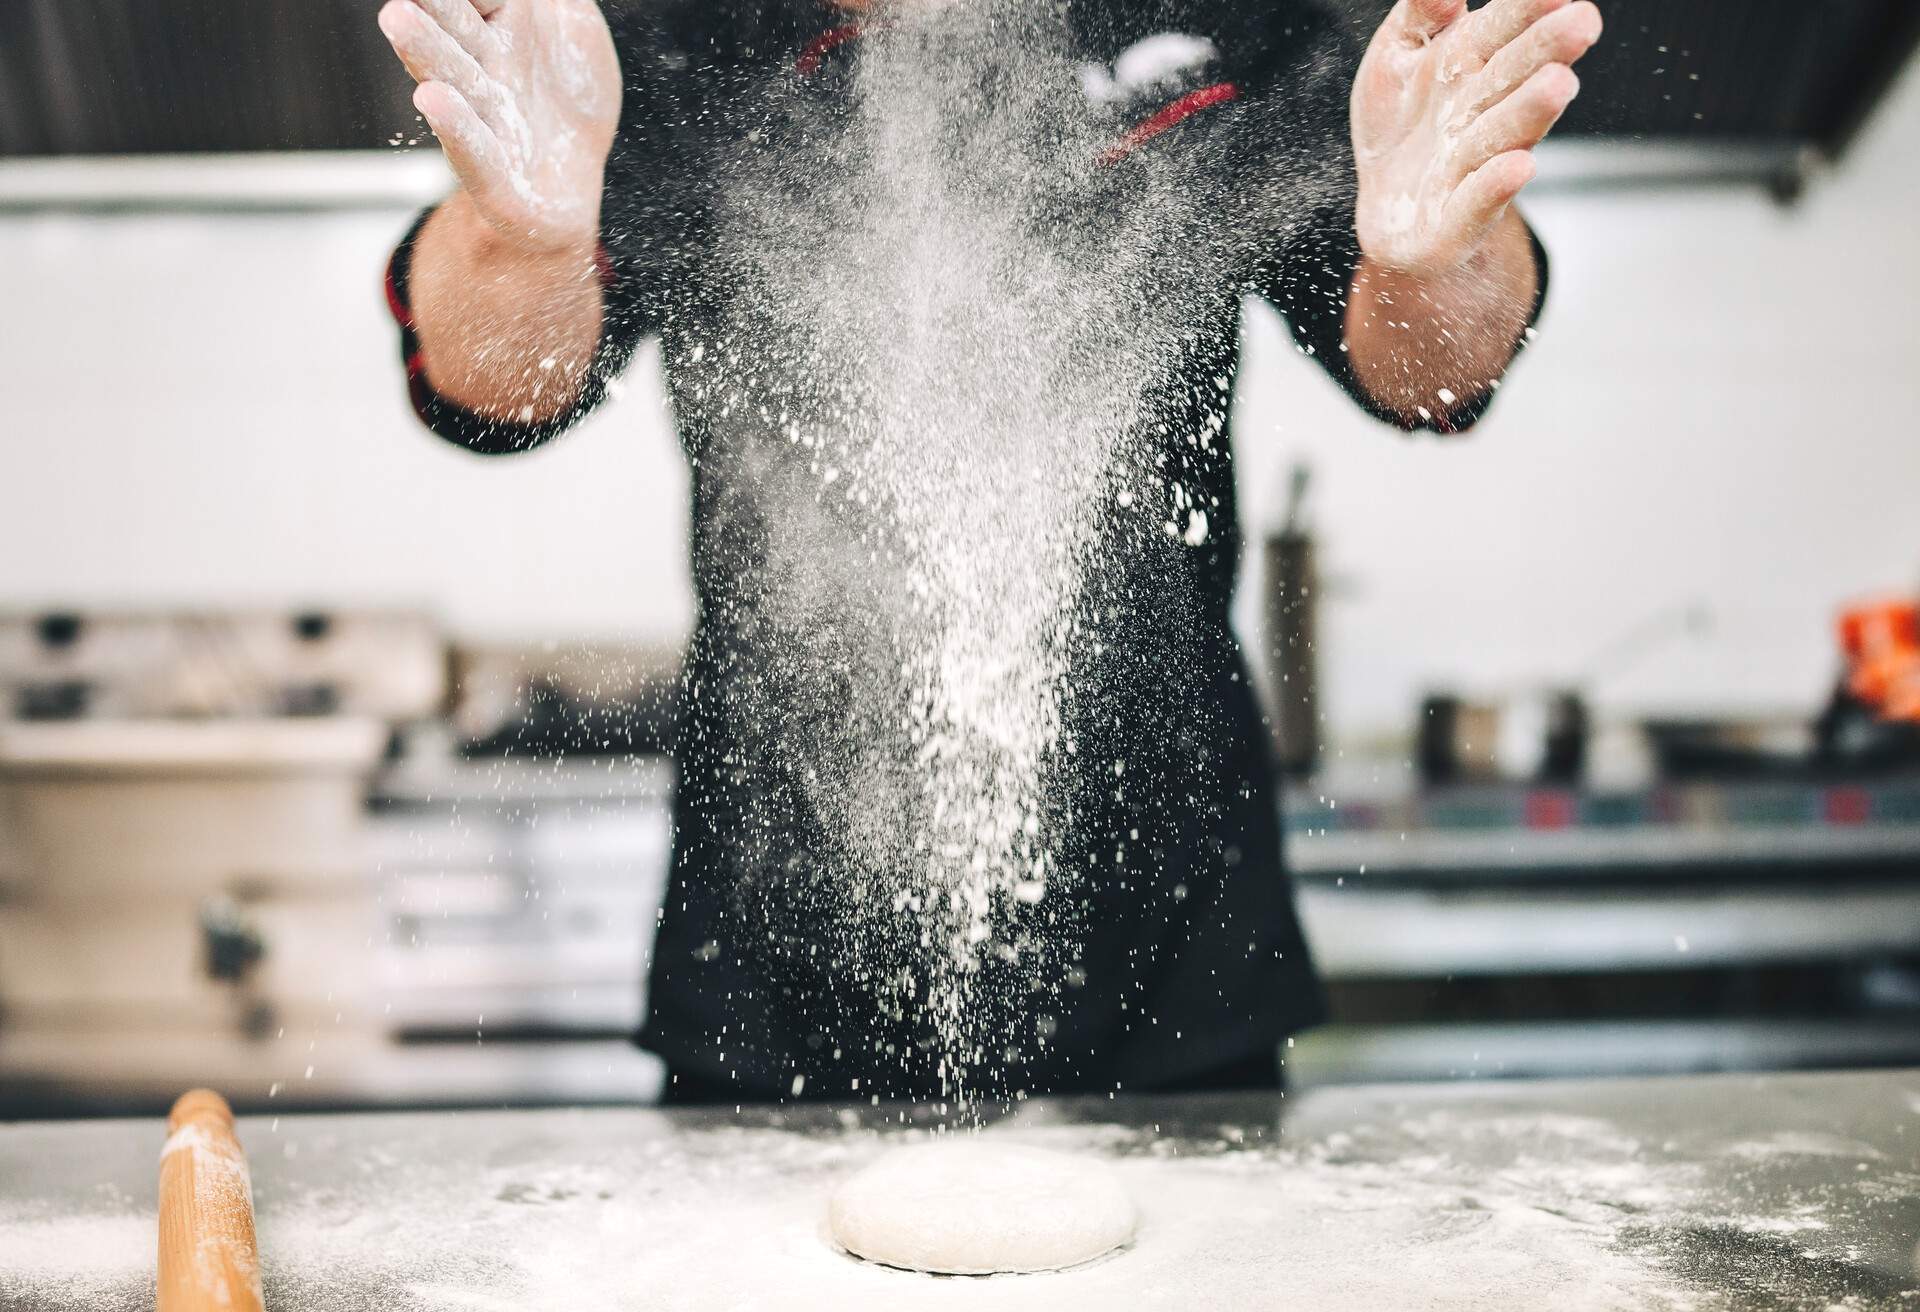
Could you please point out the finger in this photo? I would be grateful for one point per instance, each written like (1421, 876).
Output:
(1560, 38)
(1519, 121)
(1500, 22)
(1417, 22)
(471, 148)
(488, 8)
(1483, 196)
(586, 38)
(464, 24)
(431, 55)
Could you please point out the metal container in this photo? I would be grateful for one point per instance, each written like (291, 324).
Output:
(188, 875)
(1291, 630)
(106, 810)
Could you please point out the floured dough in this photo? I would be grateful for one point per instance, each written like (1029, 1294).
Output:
(970, 1206)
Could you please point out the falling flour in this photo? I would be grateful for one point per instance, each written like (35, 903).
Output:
(962, 323)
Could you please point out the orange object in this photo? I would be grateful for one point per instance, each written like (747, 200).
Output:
(1881, 641)
(208, 1256)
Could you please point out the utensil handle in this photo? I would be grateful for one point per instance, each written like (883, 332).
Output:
(209, 1260)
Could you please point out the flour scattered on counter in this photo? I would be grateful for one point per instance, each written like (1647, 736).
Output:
(1803, 1144)
(99, 1262)
(1441, 1208)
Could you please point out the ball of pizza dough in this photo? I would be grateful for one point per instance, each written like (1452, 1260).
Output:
(967, 1205)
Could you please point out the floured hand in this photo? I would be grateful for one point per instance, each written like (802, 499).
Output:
(525, 97)
(1447, 108)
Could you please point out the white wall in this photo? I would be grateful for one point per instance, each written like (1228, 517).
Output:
(202, 409)
(1722, 409)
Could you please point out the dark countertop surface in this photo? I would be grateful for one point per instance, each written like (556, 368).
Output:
(1741, 1192)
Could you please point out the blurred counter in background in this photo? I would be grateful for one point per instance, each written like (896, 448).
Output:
(1506, 929)
(512, 847)
(1503, 935)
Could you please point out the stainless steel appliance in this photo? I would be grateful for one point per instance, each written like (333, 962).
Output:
(183, 842)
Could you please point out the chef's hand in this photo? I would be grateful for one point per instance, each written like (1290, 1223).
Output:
(1447, 107)
(524, 96)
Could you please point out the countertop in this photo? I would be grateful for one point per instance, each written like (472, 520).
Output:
(1697, 1193)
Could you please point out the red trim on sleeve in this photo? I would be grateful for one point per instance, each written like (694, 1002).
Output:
(1172, 116)
(809, 60)
(402, 312)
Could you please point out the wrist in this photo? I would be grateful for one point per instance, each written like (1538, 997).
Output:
(485, 244)
(1501, 261)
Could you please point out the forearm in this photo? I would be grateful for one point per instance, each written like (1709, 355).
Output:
(1422, 345)
(507, 331)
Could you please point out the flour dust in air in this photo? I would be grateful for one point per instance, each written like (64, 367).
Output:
(965, 328)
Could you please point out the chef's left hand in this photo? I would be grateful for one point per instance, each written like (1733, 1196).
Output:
(1447, 108)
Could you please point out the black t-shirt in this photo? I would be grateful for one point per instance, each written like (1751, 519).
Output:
(1177, 946)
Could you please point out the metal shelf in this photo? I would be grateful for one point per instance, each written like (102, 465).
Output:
(1432, 933)
(1598, 852)
(1347, 1054)
(1692, 831)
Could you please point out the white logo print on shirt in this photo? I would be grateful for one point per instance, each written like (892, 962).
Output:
(1164, 61)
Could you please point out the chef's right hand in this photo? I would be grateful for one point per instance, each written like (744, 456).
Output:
(524, 96)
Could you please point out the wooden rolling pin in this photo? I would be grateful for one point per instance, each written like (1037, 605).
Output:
(208, 1258)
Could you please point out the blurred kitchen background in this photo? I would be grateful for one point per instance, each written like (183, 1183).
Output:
(331, 759)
